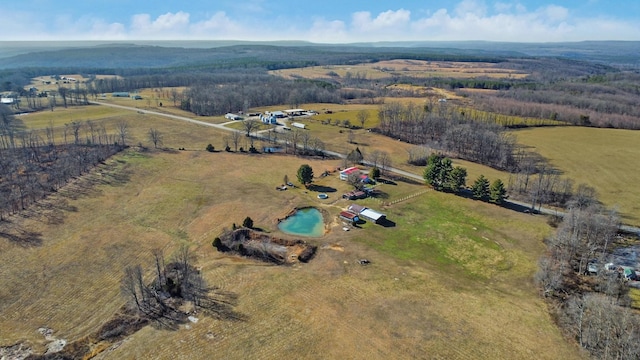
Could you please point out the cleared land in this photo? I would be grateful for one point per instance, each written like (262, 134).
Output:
(602, 158)
(413, 68)
(452, 279)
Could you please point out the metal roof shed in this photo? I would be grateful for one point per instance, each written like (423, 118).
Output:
(372, 215)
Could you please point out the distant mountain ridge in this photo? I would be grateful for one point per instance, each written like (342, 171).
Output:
(131, 54)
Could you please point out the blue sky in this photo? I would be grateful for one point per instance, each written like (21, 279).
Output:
(325, 21)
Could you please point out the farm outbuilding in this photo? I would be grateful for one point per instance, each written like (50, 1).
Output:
(349, 216)
(344, 174)
(268, 119)
(294, 112)
(355, 208)
(231, 116)
(352, 195)
(372, 215)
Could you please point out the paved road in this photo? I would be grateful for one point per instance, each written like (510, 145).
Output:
(508, 203)
(171, 116)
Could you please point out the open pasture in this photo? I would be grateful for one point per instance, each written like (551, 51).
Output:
(175, 134)
(605, 159)
(159, 100)
(50, 83)
(61, 116)
(452, 279)
(412, 68)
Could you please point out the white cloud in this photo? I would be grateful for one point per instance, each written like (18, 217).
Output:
(362, 21)
(515, 23)
(467, 20)
(164, 25)
(219, 21)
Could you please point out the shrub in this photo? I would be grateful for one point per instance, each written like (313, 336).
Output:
(248, 223)
(375, 173)
(210, 148)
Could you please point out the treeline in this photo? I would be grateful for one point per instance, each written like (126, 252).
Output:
(445, 129)
(540, 184)
(216, 98)
(32, 167)
(603, 101)
(593, 310)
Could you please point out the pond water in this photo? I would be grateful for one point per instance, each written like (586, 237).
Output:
(305, 222)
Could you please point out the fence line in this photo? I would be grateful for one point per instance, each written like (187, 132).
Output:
(402, 199)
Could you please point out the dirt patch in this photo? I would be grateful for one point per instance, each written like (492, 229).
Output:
(255, 244)
(335, 247)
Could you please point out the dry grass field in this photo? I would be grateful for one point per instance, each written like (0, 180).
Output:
(413, 68)
(605, 159)
(159, 100)
(174, 133)
(452, 279)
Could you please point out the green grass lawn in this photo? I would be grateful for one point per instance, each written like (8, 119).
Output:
(464, 236)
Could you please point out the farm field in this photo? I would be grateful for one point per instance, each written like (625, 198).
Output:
(413, 68)
(174, 133)
(602, 158)
(452, 279)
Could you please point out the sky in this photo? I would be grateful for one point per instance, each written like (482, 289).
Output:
(320, 21)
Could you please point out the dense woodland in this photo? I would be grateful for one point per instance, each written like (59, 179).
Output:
(445, 129)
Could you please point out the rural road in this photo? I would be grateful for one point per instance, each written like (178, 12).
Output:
(171, 116)
(508, 203)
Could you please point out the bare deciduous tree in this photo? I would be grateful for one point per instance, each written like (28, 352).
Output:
(123, 132)
(385, 161)
(250, 125)
(155, 137)
(351, 136)
(75, 128)
(606, 330)
(235, 139)
(362, 116)
(179, 281)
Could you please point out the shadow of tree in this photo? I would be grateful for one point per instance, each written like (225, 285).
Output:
(21, 237)
(321, 188)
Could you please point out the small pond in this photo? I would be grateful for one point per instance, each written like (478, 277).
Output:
(304, 222)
